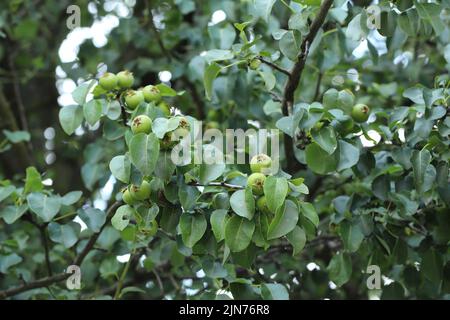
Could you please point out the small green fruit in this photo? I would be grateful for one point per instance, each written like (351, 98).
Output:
(151, 230)
(261, 204)
(261, 163)
(256, 182)
(212, 125)
(142, 192)
(127, 198)
(254, 64)
(133, 99)
(345, 125)
(221, 201)
(141, 124)
(125, 79)
(164, 107)
(360, 112)
(151, 93)
(108, 81)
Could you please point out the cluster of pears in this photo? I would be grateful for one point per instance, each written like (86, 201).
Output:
(260, 166)
(123, 81)
(133, 194)
(345, 100)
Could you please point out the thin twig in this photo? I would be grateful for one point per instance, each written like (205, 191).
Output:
(275, 66)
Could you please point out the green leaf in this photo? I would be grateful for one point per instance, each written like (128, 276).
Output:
(209, 75)
(218, 55)
(325, 138)
(269, 79)
(297, 238)
(348, 155)
(431, 13)
(188, 196)
(112, 110)
(289, 45)
(66, 234)
(351, 235)
(166, 91)
(218, 221)
(432, 266)
(11, 214)
(263, 8)
(340, 268)
(210, 172)
(144, 152)
(243, 203)
(46, 207)
(92, 111)
(162, 125)
(70, 118)
(94, 218)
(120, 167)
(122, 217)
(7, 261)
(164, 166)
(33, 182)
(238, 233)
(309, 212)
(91, 173)
(284, 221)
(80, 93)
(274, 291)
(71, 198)
(275, 190)
(5, 192)
(423, 171)
(319, 161)
(192, 227)
(17, 136)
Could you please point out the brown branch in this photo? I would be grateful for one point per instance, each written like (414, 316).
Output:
(47, 281)
(295, 75)
(274, 66)
(199, 105)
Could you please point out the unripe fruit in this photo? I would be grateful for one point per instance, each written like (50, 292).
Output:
(212, 125)
(108, 81)
(164, 107)
(151, 230)
(221, 201)
(141, 124)
(261, 204)
(261, 163)
(125, 79)
(133, 99)
(127, 198)
(151, 93)
(360, 112)
(142, 192)
(256, 182)
(345, 125)
(254, 64)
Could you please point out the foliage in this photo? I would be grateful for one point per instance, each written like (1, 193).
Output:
(352, 191)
